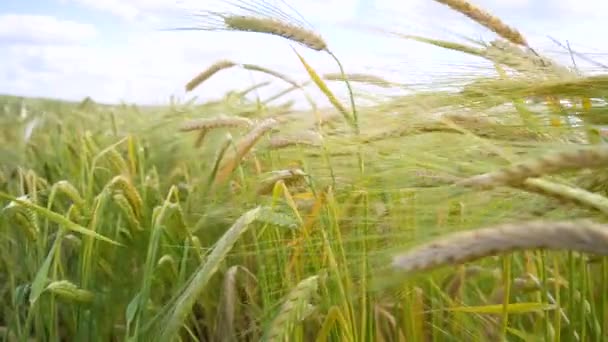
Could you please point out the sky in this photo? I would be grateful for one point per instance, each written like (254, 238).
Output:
(120, 50)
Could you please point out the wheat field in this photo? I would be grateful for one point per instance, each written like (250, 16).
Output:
(246, 220)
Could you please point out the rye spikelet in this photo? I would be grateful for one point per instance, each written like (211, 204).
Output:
(594, 157)
(581, 236)
(486, 19)
(207, 73)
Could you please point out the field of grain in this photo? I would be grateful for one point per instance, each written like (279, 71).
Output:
(471, 214)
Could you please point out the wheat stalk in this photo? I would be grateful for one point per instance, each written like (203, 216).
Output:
(594, 157)
(207, 73)
(254, 87)
(457, 248)
(486, 19)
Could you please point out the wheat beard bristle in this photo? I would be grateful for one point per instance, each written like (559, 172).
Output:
(486, 19)
(278, 28)
(457, 248)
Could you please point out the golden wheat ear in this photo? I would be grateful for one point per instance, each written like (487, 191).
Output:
(207, 73)
(278, 28)
(486, 19)
(581, 236)
(272, 23)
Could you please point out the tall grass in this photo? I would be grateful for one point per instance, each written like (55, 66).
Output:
(118, 224)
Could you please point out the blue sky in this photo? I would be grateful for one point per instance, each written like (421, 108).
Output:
(114, 50)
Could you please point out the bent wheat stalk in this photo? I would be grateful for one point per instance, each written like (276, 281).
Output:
(581, 236)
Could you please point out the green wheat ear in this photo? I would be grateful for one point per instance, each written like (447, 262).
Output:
(294, 309)
(59, 219)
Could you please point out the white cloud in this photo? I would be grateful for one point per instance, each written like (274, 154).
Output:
(148, 66)
(37, 29)
(116, 7)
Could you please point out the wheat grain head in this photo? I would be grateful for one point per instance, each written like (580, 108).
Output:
(486, 19)
(593, 157)
(276, 27)
(216, 122)
(244, 146)
(581, 236)
(289, 177)
(360, 78)
(207, 73)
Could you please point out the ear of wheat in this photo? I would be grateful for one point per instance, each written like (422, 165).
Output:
(216, 122)
(486, 19)
(243, 147)
(581, 236)
(275, 27)
(207, 73)
(359, 77)
(289, 177)
(260, 17)
(593, 157)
